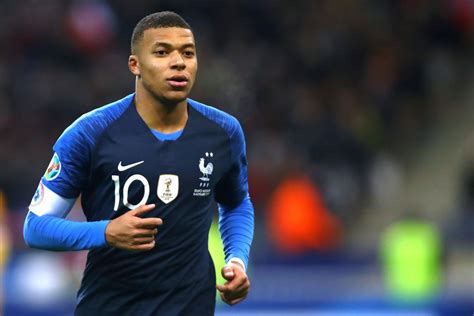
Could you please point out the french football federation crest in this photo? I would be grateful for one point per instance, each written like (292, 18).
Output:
(168, 187)
(206, 169)
(38, 197)
(54, 168)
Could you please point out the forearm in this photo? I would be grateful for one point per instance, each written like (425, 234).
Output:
(54, 233)
(236, 226)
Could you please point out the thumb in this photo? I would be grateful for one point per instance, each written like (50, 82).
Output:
(227, 272)
(142, 209)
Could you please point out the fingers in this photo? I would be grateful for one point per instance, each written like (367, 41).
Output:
(140, 244)
(142, 209)
(132, 232)
(237, 287)
(231, 296)
(221, 287)
(144, 236)
(233, 301)
(145, 233)
(143, 240)
(150, 222)
(227, 273)
(237, 300)
(236, 277)
(143, 247)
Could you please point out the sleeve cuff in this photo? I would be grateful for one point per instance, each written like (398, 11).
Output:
(103, 227)
(239, 261)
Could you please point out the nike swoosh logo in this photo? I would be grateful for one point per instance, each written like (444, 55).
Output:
(123, 168)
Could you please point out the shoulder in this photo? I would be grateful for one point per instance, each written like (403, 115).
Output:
(98, 119)
(92, 124)
(226, 121)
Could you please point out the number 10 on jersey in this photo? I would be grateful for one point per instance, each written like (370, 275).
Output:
(126, 187)
(167, 189)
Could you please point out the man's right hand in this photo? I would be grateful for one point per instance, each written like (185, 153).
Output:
(131, 232)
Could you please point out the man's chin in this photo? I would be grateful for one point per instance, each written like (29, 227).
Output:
(175, 97)
(171, 98)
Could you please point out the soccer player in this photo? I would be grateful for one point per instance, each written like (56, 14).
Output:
(148, 167)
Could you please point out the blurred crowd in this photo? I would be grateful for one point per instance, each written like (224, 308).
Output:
(324, 89)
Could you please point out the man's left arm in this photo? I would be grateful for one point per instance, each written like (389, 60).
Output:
(236, 226)
(236, 220)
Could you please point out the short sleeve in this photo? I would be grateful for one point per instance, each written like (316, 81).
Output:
(68, 170)
(233, 186)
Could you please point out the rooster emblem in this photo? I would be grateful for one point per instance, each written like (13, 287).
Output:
(206, 169)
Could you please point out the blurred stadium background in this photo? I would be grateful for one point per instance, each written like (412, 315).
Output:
(359, 120)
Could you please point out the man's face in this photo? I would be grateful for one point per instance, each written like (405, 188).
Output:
(165, 63)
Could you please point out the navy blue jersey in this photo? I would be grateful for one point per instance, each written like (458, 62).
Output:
(114, 160)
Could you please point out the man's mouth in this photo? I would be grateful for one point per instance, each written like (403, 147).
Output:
(178, 81)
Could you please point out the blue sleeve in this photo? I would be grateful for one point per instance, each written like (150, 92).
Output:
(68, 171)
(66, 176)
(236, 226)
(54, 233)
(233, 187)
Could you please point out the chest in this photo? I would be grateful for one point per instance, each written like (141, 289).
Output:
(139, 168)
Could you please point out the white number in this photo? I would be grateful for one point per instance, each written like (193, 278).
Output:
(116, 180)
(146, 193)
(135, 177)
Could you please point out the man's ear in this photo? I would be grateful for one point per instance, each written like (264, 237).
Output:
(133, 65)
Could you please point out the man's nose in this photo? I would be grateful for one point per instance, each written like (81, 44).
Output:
(177, 60)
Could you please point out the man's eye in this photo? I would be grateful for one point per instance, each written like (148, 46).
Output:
(188, 53)
(160, 52)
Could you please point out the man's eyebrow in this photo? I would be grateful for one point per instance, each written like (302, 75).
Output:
(168, 45)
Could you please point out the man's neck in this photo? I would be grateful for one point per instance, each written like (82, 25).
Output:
(164, 118)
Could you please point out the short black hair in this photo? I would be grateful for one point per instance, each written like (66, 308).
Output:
(155, 21)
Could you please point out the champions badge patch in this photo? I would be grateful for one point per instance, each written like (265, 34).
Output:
(168, 187)
(54, 168)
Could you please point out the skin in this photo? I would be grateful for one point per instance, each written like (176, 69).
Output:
(237, 286)
(131, 232)
(163, 55)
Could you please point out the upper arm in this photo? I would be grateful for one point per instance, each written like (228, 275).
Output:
(47, 202)
(68, 170)
(66, 174)
(233, 186)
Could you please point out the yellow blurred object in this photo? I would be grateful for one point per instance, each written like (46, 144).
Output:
(216, 249)
(3, 205)
(4, 235)
(411, 257)
(4, 242)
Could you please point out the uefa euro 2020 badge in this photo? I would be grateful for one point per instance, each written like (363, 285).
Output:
(54, 168)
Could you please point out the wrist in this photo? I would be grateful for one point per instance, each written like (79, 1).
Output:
(106, 233)
(110, 234)
(237, 261)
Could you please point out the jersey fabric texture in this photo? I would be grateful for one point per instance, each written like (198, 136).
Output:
(116, 162)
